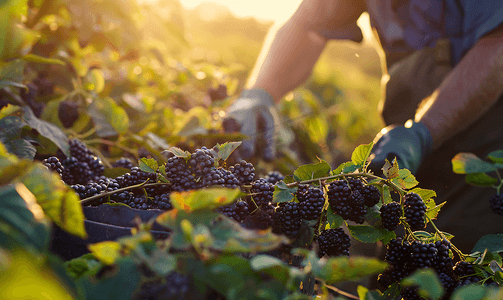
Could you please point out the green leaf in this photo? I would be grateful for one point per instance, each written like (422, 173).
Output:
(333, 219)
(47, 130)
(58, 201)
(22, 222)
(369, 234)
(496, 156)
(341, 268)
(470, 292)
(13, 70)
(361, 154)
(6, 83)
(209, 198)
(339, 169)
(428, 283)
(467, 163)
(405, 179)
(148, 165)
(425, 194)
(365, 294)
(107, 252)
(87, 264)
(386, 194)
(283, 193)
(10, 136)
(225, 150)
(312, 171)
(95, 81)
(178, 152)
(390, 170)
(272, 266)
(109, 118)
(480, 179)
(432, 209)
(491, 242)
(42, 60)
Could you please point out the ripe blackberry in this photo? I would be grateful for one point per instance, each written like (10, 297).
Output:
(79, 150)
(371, 195)
(273, 177)
(140, 202)
(333, 242)
(422, 255)
(410, 293)
(158, 189)
(465, 272)
(392, 275)
(443, 262)
(311, 207)
(237, 211)
(137, 176)
(122, 197)
(52, 163)
(219, 93)
(244, 172)
(68, 112)
(302, 192)
(290, 218)
(261, 218)
(201, 161)
(397, 252)
(263, 192)
(414, 210)
(142, 152)
(345, 201)
(176, 169)
(496, 204)
(162, 201)
(390, 215)
(123, 162)
(75, 172)
(448, 282)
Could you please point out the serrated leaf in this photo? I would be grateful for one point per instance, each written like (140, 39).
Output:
(225, 150)
(432, 212)
(333, 219)
(361, 154)
(425, 194)
(390, 170)
(209, 198)
(340, 269)
(341, 168)
(405, 179)
(386, 194)
(283, 193)
(350, 169)
(467, 163)
(107, 252)
(428, 283)
(47, 130)
(491, 242)
(312, 171)
(178, 152)
(368, 234)
(480, 179)
(148, 165)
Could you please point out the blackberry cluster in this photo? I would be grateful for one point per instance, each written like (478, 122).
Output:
(263, 192)
(346, 201)
(405, 258)
(98, 187)
(76, 172)
(201, 161)
(371, 195)
(136, 176)
(273, 177)
(390, 215)
(123, 162)
(465, 273)
(162, 201)
(414, 211)
(179, 174)
(244, 172)
(333, 242)
(289, 217)
(68, 112)
(220, 177)
(82, 154)
(237, 211)
(52, 163)
(311, 204)
(496, 204)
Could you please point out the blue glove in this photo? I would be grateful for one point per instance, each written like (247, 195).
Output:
(410, 144)
(256, 116)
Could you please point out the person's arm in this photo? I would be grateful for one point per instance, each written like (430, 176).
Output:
(289, 54)
(472, 87)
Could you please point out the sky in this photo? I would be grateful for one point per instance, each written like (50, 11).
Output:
(261, 9)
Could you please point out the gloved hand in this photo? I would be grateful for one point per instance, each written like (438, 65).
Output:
(257, 118)
(410, 144)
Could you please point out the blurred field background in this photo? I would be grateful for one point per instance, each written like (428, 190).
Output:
(148, 67)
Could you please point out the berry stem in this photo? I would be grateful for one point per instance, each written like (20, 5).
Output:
(95, 197)
(441, 234)
(498, 187)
